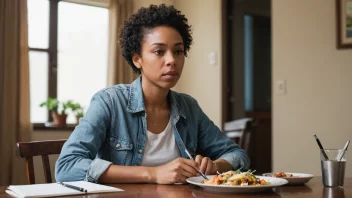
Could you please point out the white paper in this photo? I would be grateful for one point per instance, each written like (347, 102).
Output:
(56, 189)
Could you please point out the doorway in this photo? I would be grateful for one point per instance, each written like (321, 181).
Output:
(247, 72)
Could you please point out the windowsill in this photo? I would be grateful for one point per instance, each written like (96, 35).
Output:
(43, 127)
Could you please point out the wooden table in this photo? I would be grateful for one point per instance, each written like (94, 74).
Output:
(312, 189)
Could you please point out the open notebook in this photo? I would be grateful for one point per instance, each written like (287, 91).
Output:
(56, 189)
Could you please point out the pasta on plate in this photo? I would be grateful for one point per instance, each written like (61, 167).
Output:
(236, 178)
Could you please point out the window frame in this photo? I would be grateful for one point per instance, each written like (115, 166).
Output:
(52, 56)
(52, 52)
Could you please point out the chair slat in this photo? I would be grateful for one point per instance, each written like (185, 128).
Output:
(30, 170)
(28, 150)
(46, 166)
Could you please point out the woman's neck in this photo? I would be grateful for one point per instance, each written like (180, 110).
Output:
(154, 97)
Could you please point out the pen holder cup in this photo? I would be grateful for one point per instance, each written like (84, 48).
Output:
(333, 163)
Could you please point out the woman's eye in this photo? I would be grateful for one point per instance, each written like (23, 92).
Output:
(158, 52)
(179, 52)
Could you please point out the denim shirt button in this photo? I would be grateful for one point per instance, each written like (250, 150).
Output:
(118, 145)
(140, 151)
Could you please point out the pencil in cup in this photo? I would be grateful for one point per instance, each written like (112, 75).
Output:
(321, 147)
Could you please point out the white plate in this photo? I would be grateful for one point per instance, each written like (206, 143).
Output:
(298, 179)
(274, 182)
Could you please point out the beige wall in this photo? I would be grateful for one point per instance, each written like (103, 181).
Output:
(145, 3)
(200, 79)
(319, 78)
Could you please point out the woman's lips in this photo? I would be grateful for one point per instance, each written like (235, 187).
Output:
(170, 75)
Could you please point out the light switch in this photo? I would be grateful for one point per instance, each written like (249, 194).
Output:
(212, 58)
(280, 87)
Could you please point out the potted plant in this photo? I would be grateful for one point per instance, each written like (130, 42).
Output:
(79, 114)
(57, 110)
(77, 109)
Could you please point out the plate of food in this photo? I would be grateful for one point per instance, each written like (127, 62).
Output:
(292, 178)
(236, 182)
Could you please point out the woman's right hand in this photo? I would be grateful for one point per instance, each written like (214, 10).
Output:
(175, 171)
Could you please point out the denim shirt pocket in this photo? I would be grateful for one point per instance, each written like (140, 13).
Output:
(121, 150)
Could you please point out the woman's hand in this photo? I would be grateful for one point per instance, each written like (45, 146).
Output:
(175, 171)
(207, 166)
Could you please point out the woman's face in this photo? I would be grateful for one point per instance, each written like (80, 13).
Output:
(162, 57)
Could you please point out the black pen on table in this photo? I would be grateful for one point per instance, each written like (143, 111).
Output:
(73, 187)
(321, 147)
(200, 172)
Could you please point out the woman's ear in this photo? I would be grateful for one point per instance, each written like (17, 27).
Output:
(137, 60)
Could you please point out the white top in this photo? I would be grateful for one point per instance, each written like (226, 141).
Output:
(160, 148)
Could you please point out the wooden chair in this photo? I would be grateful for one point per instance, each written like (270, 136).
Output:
(28, 150)
(240, 131)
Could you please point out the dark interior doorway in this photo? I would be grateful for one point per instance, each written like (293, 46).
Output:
(247, 72)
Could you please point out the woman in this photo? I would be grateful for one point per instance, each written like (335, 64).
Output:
(138, 133)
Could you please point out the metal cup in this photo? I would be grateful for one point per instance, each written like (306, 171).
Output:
(333, 192)
(332, 169)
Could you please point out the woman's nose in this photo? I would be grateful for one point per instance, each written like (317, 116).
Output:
(170, 58)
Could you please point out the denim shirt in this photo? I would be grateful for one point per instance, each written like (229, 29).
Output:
(113, 131)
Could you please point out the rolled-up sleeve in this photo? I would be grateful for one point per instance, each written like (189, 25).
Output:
(238, 160)
(77, 160)
(96, 169)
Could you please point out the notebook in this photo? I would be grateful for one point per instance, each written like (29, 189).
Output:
(56, 189)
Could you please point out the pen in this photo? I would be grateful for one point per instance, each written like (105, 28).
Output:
(200, 172)
(344, 150)
(321, 147)
(73, 187)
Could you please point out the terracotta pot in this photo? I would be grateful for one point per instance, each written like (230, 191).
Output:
(77, 119)
(59, 120)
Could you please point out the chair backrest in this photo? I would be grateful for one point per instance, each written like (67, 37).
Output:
(28, 150)
(240, 131)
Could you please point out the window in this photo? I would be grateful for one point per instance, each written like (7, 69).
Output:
(68, 45)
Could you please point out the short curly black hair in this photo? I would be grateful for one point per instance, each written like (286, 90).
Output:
(134, 29)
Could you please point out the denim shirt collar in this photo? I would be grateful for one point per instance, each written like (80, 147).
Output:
(136, 103)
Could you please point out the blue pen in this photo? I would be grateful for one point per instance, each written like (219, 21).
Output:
(200, 172)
